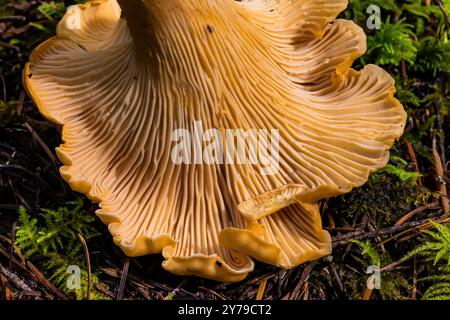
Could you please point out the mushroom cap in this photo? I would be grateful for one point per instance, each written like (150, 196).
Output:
(121, 77)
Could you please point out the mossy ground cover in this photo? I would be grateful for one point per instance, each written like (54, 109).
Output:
(396, 222)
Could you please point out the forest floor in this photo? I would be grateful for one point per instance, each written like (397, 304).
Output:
(381, 224)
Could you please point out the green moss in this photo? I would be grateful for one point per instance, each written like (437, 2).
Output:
(393, 43)
(388, 195)
(393, 285)
(434, 254)
(54, 237)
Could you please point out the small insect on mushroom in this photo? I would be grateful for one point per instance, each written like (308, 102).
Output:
(210, 29)
(152, 69)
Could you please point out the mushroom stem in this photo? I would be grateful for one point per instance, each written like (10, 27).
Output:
(142, 18)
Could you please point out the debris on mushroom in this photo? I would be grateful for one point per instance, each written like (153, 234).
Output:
(123, 76)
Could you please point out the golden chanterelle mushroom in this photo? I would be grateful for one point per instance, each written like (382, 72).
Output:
(122, 76)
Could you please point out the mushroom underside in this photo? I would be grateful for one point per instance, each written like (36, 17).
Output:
(121, 87)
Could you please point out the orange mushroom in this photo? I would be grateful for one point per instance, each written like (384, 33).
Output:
(122, 77)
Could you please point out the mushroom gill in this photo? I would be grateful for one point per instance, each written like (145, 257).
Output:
(121, 77)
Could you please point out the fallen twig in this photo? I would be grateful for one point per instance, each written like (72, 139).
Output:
(6, 289)
(367, 295)
(6, 45)
(336, 279)
(20, 102)
(12, 18)
(343, 240)
(17, 263)
(43, 280)
(414, 286)
(441, 6)
(123, 279)
(41, 143)
(440, 178)
(13, 240)
(391, 266)
(361, 228)
(409, 215)
(14, 279)
(16, 168)
(424, 226)
(412, 154)
(261, 289)
(105, 291)
(113, 272)
(88, 266)
(5, 94)
(295, 294)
